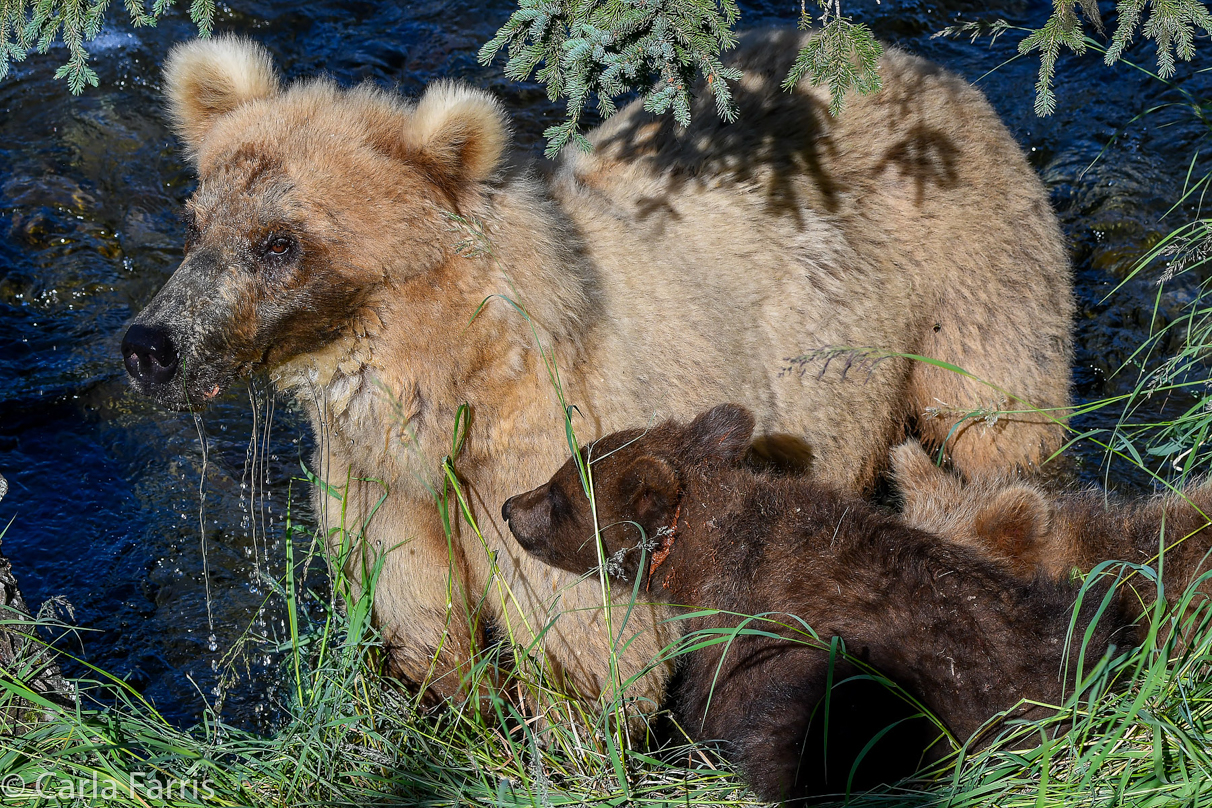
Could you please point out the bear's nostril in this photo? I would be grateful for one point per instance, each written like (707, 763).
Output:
(506, 509)
(149, 354)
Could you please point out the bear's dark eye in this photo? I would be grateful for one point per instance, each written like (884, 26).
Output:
(279, 249)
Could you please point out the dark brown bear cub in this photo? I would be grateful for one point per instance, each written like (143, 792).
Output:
(956, 632)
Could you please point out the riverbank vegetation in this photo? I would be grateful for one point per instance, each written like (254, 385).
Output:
(1140, 735)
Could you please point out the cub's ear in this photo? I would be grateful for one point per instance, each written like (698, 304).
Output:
(1014, 525)
(456, 135)
(650, 487)
(208, 78)
(722, 433)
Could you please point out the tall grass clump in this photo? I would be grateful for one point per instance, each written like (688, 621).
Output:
(1172, 364)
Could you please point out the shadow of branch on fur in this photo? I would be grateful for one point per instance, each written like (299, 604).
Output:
(790, 148)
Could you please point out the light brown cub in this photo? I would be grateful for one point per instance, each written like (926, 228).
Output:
(1034, 532)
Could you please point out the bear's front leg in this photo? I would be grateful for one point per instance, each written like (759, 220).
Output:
(760, 704)
(433, 630)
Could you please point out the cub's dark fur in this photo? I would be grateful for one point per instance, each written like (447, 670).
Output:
(956, 631)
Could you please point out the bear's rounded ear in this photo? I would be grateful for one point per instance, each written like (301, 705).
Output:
(1015, 524)
(457, 135)
(650, 487)
(208, 78)
(722, 433)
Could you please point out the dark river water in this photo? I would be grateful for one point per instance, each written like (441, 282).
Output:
(106, 503)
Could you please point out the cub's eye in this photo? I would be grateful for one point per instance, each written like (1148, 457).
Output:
(279, 248)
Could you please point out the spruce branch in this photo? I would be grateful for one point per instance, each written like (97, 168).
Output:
(26, 25)
(843, 55)
(584, 51)
(1062, 28)
(1171, 24)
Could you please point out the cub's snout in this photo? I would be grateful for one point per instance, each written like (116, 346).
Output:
(528, 519)
(554, 522)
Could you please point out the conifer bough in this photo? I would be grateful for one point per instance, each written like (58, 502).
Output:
(597, 51)
(27, 25)
(604, 49)
(1171, 24)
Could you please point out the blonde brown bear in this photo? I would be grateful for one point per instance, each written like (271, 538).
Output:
(343, 240)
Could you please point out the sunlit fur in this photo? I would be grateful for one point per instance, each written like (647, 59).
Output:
(208, 78)
(663, 272)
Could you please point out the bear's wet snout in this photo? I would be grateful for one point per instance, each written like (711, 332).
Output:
(507, 508)
(149, 355)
